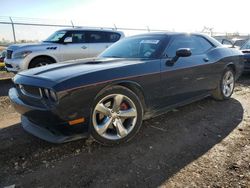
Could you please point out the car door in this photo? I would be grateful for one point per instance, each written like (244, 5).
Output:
(189, 76)
(98, 41)
(75, 46)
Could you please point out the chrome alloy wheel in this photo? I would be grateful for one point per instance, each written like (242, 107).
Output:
(228, 83)
(114, 116)
(41, 64)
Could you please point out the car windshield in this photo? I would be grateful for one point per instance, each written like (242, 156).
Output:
(135, 47)
(55, 37)
(245, 45)
(239, 43)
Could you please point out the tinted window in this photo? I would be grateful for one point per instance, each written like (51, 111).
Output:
(113, 37)
(102, 37)
(96, 37)
(198, 45)
(77, 36)
(136, 47)
(239, 43)
(246, 45)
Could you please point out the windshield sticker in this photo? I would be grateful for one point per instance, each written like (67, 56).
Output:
(150, 41)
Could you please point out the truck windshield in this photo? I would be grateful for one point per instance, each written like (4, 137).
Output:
(55, 37)
(135, 47)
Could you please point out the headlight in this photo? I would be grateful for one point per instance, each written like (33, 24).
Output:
(21, 55)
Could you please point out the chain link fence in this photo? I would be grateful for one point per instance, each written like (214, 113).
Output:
(18, 30)
(23, 30)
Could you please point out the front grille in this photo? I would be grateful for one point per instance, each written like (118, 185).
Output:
(9, 54)
(30, 91)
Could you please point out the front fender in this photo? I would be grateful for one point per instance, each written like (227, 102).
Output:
(34, 55)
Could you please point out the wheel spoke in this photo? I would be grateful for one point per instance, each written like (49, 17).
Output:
(103, 109)
(128, 113)
(230, 80)
(101, 129)
(121, 130)
(227, 76)
(117, 102)
(228, 90)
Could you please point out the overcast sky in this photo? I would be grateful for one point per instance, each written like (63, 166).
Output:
(178, 15)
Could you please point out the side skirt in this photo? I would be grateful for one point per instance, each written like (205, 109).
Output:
(150, 114)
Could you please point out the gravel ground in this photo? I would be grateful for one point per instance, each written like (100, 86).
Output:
(204, 144)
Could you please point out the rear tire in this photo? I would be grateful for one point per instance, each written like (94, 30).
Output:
(226, 85)
(40, 61)
(116, 116)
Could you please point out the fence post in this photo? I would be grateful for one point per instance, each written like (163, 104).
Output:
(148, 29)
(13, 29)
(72, 23)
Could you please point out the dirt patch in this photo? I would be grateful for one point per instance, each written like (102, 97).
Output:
(6, 75)
(2, 48)
(204, 144)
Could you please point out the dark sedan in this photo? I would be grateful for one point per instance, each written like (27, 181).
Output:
(137, 78)
(245, 48)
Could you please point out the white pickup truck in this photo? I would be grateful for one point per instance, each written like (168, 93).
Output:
(63, 45)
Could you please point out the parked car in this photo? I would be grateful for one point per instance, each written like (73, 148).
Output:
(63, 45)
(245, 48)
(2, 56)
(233, 43)
(135, 79)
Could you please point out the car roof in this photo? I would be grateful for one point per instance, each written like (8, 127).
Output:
(171, 34)
(168, 33)
(90, 29)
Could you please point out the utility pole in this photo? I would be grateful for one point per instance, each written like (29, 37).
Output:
(13, 29)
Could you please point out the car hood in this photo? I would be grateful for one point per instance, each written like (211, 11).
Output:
(15, 47)
(65, 70)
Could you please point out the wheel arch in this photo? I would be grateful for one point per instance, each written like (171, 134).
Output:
(133, 86)
(232, 66)
(54, 60)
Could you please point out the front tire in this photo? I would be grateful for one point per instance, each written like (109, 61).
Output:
(40, 61)
(226, 85)
(116, 116)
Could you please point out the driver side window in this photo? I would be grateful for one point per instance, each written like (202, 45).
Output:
(197, 45)
(77, 37)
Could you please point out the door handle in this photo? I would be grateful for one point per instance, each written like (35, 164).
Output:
(206, 59)
(84, 47)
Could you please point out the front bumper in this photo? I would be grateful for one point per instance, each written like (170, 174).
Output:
(14, 65)
(50, 133)
(46, 123)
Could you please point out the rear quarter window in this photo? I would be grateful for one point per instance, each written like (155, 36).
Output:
(113, 37)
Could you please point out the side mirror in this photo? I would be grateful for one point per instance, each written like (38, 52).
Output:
(182, 52)
(68, 40)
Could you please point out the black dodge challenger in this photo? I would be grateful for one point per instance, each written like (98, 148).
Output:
(137, 78)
